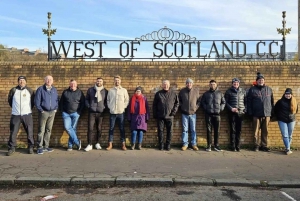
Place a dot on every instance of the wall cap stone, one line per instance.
(150, 63)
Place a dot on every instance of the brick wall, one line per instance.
(279, 75)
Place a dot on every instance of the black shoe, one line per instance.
(30, 150)
(161, 147)
(256, 149)
(168, 147)
(237, 149)
(11, 152)
(218, 149)
(233, 149)
(266, 149)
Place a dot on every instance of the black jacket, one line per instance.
(71, 101)
(260, 101)
(283, 110)
(213, 102)
(236, 99)
(92, 103)
(189, 100)
(165, 104)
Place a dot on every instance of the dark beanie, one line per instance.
(259, 76)
(288, 91)
(22, 77)
(235, 80)
(139, 88)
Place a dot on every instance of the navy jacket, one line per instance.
(46, 100)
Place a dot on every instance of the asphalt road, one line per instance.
(152, 194)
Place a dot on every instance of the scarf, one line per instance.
(98, 93)
(140, 99)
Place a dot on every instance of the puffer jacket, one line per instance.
(236, 98)
(213, 102)
(165, 104)
(260, 101)
(283, 112)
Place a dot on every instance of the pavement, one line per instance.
(150, 167)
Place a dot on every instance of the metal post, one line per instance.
(284, 31)
(49, 32)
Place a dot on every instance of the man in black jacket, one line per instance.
(95, 101)
(71, 105)
(260, 104)
(213, 103)
(165, 106)
(235, 98)
(189, 102)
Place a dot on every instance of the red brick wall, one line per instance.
(279, 75)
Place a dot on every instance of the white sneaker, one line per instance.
(88, 148)
(97, 146)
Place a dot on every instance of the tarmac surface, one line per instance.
(150, 167)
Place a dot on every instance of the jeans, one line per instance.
(46, 120)
(286, 130)
(261, 123)
(160, 131)
(15, 121)
(92, 119)
(112, 121)
(188, 122)
(212, 121)
(70, 124)
(235, 124)
(137, 133)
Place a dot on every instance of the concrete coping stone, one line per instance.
(285, 184)
(237, 182)
(94, 181)
(42, 180)
(201, 181)
(144, 181)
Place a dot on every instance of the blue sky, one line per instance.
(21, 22)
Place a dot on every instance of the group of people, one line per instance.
(257, 102)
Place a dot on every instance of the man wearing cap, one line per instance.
(95, 101)
(260, 104)
(21, 100)
(189, 102)
(213, 104)
(235, 98)
(117, 102)
(165, 106)
(46, 101)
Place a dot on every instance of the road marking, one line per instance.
(289, 197)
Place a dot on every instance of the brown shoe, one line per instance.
(183, 148)
(123, 146)
(195, 148)
(109, 147)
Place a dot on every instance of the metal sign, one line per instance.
(166, 44)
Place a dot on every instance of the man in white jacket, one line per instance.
(117, 101)
(21, 101)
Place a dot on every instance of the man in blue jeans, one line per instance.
(117, 101)
(189, 102)
(46, 101)
(71, 105)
